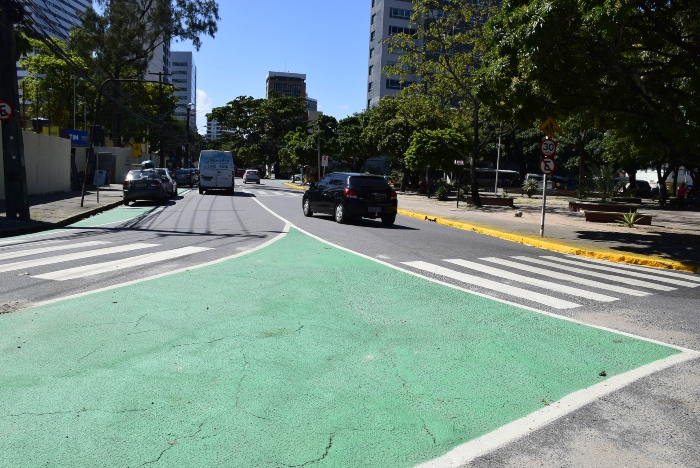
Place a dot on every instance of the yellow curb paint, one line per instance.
(561, 247)
(296, 187)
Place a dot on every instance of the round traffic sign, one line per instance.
(547, 165)
(548, 147)
(5, 110)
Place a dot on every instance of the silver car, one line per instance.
(251, 175)
(168, 180)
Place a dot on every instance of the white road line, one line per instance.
(261, 192)
(494, 285)
(657, 271)
(23, 240)
(533, 281)
(618, 279)
(564, 277)
(628, 273)
(27, 253)
(73, 256)
(117, 265)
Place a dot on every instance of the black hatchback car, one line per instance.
(347, 195)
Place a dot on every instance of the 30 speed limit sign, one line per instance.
(548, 147)
(547, 165)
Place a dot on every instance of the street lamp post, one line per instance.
(187, 140)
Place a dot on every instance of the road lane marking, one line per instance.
(99, 268)
(618, 279)
(564, 277)
(656, 271)
(533, 281)
(73, 256)
(26, 253)
(494, 285)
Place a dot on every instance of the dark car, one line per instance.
(347, 195)
(168, 179)
(184, 177)
(144, 185)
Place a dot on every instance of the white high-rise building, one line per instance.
(184, 76)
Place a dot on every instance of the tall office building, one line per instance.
(54, 18)
(184, 76)
(287, 84)
(387, 17)
(161, 62)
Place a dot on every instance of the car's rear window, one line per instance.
(184, 173)
(368, 182)
(141, 175)
(252, 172)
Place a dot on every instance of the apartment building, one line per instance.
(287, 84)
(387, 17)
(184, 76)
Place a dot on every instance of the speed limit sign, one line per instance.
(547, 165)
(548, 147)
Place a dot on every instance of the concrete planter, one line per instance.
(612, 217)
(577, 206)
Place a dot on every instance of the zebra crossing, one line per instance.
(259, 192)
(557, 282)
(45, 255)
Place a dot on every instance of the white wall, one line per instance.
(47, 163)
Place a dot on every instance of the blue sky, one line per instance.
(328, 41)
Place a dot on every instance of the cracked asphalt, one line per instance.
(394, 370)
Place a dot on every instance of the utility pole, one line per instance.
(16, 196)
(161, 118)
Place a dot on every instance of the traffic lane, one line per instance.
(220, 225)
(661, 315)
(652, 422)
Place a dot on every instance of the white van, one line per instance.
(216, 171)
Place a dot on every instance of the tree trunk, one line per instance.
(581, 165)
(116, 133)
(476, 200)
(404, 179)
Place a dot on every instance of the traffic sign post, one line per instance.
(458, 163)
(547, 166)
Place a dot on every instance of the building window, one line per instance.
(179, 64)
(397, 84)
(369, 103)
(399, 29)
(371, 52)
(371, 36)
(371, 70)
(369, 87)
(374, 17)
(400, 13)
(179, 80)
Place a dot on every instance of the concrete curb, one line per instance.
(559, 246)
(294, 186)
(59, 224)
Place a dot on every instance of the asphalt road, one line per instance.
(651, 420)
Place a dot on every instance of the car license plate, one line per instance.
(374, 209)
(140, 185)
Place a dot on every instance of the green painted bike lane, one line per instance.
(298, 353)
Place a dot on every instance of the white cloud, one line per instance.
(203, 103)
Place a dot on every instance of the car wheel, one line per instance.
(388, 220)
(191, 185)
(201, 191)
(306, 208)
(258, 181)
(126, 202)
(340, 216)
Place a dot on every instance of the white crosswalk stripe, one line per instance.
(565, 277)
(89, 270)
(533, 281)
(73, 256)
(656, 271)
(545, 273)
(635, 274)
(55, 248)
(270, 193)
(616, 278)
(494, 286)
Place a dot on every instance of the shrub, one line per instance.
(441, 193)
(530, 186)
(630, 219)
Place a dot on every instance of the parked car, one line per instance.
(184, 177)
(251, 175)
(168, 179)
(347, 195)
(195, 175)
(238, 172)
(144, 185)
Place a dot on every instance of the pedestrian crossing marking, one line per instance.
(618, 279)
(564, 277)
(90, 270)
(533, 281)
(494, 285)
(656, 271)
(27, 253)
(629, 273)
(73, 256)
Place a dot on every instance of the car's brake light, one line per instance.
(393, 195)
(125, 184)
(350, 193)
(155, 183)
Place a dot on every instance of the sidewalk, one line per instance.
(672, 241)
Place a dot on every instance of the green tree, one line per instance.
(354, 143)
(120, 40)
